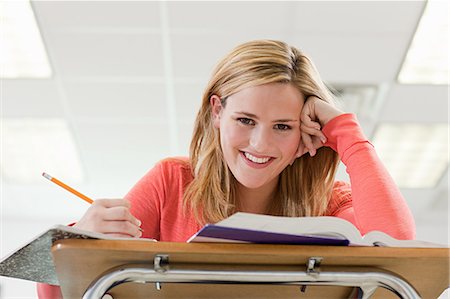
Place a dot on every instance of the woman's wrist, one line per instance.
(326, 112)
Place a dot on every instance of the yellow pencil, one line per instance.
(70, 189)
(61, 184)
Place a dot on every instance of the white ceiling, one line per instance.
(128, 78)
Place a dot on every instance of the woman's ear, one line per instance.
(216, 108)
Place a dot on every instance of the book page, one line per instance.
(326, 226)
(69, 232)
(378, 238)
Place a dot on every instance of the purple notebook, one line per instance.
(228, 234)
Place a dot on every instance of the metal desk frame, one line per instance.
(368, 282)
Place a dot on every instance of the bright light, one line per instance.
(427, 61)
(416, 155)
(22, 50)
(31, 146)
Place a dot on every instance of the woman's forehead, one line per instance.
(275, 97)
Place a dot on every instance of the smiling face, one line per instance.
(259, 131)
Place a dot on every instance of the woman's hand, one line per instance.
(315, 114)
(110, 216)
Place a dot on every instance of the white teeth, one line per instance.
(255, 159)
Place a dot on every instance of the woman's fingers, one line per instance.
(120, 236)
(312, 138)
(315, 114)
(307, 116)
(317, 110)
(317, 142)
(121, 213)
(117, 209)
(310, 130)
(110, 216)
(115, 202)
(125, 228)
(309, 143)
(313, 131)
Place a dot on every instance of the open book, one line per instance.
(326, 230)
(34, 261)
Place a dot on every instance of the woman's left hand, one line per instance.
(315, 114)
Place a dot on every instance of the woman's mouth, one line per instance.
(256, 159)
(256, 162)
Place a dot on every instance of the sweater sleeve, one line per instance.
(373, 202)
(146, 199)
(48, 291)
(156, 200)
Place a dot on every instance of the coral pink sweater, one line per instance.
(371, 202)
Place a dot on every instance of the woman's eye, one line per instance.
(246, 121)
(282, 127)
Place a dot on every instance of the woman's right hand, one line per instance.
(112, 217)
(315, 114)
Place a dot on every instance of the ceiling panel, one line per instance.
(348, 60)
(112, 151)
(357, 18)
(229, 16)
(416, 103)
(107, 54)
(197, 54)
(119, 100)
(66, 15)
(30, 98)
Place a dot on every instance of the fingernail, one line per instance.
(323, 139)
(139, 222)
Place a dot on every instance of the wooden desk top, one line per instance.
(78, 262)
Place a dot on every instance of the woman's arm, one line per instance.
(374, 202)
(119, 217)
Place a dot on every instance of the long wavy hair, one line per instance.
(304, 188)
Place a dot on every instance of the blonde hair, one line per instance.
(304, 188)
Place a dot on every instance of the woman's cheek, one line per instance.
(295, 145)
(235, 135)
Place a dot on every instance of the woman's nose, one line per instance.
(260, 139)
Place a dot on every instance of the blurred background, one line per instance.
(94, 93)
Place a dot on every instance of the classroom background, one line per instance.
(94, 93)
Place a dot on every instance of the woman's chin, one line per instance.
(251, 184)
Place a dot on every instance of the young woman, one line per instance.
(267, 140)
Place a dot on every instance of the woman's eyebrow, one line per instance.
(247, 114)
(285, 120)
(254, 116)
